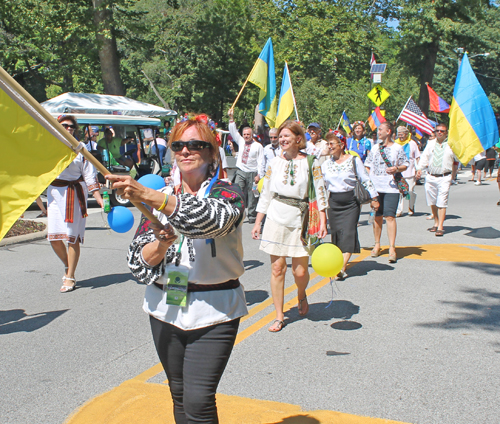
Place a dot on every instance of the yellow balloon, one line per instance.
(327, 260)
(260, 185)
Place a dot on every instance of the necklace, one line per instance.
(290, 171)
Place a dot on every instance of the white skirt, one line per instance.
(56, 214)
(279, 240)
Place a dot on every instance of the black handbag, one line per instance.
(360, 192)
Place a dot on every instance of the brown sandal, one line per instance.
(276, 326)
(433, 229)
(439, 233)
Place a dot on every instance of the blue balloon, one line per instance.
(152, 181)
(120, 219)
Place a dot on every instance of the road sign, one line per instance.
(378, 95)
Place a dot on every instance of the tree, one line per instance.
(424, 26)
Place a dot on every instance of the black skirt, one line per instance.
(343, 216)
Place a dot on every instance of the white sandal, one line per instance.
(64, 288)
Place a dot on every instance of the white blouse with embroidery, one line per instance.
(340, 178)
(278, 180)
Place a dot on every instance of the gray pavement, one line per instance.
(417, 341)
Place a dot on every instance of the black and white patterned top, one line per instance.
(199, 219)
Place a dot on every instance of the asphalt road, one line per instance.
(417, 341)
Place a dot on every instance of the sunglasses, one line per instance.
(177, 146)
(443, 131)
(66, 126)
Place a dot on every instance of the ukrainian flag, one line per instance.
(285, 107)
(346, 124)
(32, 149)
(264, 77)
(473, 127)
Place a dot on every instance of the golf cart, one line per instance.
(128, 119)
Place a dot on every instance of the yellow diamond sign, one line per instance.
(378, 95)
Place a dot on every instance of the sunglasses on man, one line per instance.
(195, 145)
(66, 126)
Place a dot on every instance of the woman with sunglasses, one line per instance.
(67, 208)
(191, 265)
(283, 201)
(339, 173)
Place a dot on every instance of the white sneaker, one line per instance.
(478, 183)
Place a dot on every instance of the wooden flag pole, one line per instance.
(239, 94)
(25, 97)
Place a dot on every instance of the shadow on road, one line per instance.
(256, 296)
(252, 264)
(481, 311)
(324, 311)
(105, 280)
(16, 320)
(298, 419)
(487, 233)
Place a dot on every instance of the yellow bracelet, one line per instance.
(163, 204)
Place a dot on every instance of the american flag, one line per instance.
(411, 114)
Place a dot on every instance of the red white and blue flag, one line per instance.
(411, 114)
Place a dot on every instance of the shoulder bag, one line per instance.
(360, 192)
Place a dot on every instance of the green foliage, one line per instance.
(198, 53)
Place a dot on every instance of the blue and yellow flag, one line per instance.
(473, 127)
(285, 107)
(32, 149)
(345, 123)
(264, 77)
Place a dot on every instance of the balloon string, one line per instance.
(282, 244)
(331, 301)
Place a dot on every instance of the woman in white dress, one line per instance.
(284, 193)
(67, 208)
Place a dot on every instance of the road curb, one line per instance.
(26, 237)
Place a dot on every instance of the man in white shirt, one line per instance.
(317, 146)
(248, 163)
(439, 160)
(413, 154)
(270, 151)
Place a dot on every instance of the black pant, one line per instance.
(194, 361)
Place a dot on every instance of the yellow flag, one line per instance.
(33, 150)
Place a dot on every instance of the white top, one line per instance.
(198, 218)
(320, 150)
(340, 178)
(480, 156)
(81, 167)
(161, 141)
(446, 158)
(255, 156)
(270, 152)
(384, 182)
(277, 180)
(414, 153)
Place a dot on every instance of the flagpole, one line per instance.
(341, 116)
(76, 146)
(404, 108)
(293, 95)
